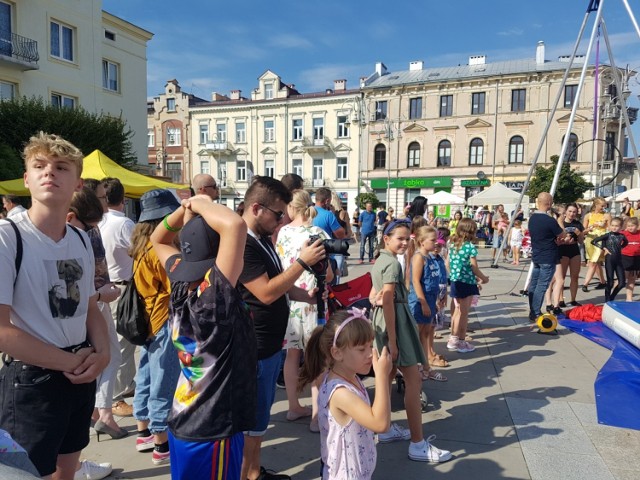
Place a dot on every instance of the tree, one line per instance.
(571, 185)
(11, 165)
(23, 117)
(363, 198)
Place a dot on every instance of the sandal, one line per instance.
(424, 374)
(438, 361)
(437, 376)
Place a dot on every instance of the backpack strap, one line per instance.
(75, 229)
(18, 261)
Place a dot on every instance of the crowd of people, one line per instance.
(225, 293)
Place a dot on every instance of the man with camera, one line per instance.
(326, 220)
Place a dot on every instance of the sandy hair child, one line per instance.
(423, 294)
(463, 270)
(416, 223)
(631, 254)
(394, 326)
(516, 241)
(336, 353)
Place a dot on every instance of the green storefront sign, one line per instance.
(424, 182)
(476, 182)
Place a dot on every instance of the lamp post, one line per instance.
(357, 117)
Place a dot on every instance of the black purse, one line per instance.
(133, 322)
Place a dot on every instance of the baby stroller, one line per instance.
(525, 250)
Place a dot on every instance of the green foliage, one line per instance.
(363, 198)
(11, 165)
(23, 117)
(571, 185)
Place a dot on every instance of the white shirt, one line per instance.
(116, 230)
(15, 211)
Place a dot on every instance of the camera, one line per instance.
(332, 246)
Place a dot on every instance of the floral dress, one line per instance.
(303, 317)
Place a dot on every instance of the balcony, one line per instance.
(18, 51)
(219, 148)
(317, 144)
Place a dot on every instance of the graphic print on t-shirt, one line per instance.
(64, 292)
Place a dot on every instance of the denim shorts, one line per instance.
(44, 412)
(416, 309)
(268, 371)
(463, 290)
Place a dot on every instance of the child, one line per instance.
(612, 243)
(342, 349)
(423, 294)
(394, 325)
(516, 241)
(405, 259)
(440, 257)
(503, 225)
(631, 254)
(463, 270)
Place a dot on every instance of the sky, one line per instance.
(214, 46)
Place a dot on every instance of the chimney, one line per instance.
(381, 69)
(416, 65)
(477, 60)
(236, 94)
(540, 52)
(339, 85)
(217, 97)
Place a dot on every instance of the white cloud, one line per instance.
(289, 40)
(513, 31)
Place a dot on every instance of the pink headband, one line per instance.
(355, 313)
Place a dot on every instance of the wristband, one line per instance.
(169, 227)
(304, 265)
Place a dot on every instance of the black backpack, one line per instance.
(132, 320)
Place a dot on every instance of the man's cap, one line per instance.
(198, 249)
(157, 204)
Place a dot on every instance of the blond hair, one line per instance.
(302, 205)
(424, 232)
(50, 145)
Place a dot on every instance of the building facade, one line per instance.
(75, 54)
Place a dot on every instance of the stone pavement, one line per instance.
(521, 406)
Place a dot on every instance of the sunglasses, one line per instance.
(279, 215)
(215, 187)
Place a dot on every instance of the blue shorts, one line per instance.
(416, 309)
(463, 290)
(268, 371)
(215, 460)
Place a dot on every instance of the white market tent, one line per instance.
(445, 198)
(497, 194)
(632, 194)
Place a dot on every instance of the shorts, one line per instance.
(44, 412)
(416, 309)
(214, 460)
(463, 290)
(268, 371)
(630, 263)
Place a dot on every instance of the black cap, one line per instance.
(198, 249)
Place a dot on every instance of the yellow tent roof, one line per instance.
(98, 165)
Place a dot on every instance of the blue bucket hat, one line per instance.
(157, 204)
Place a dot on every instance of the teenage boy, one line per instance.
(52, 333)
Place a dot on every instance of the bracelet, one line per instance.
(304, 265)
(169, 227)
(98, 297)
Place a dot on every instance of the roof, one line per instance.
(443, 74)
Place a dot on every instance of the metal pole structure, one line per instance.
(633, 19)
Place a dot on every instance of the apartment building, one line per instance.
(73, 54)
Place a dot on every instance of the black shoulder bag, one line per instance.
(133, 322)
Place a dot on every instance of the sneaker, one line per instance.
(465, 347)
(144, 444)
(585, 289)
(452, 343)
(280, 381)
(160, 458)
(562, 304)
(575, 304)
(601, 286)
(549, 308)
(557, 311)
(425, 451)
(92, 471)
(395, 433)
(271, 475)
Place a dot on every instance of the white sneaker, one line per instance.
(92, 471)
(425, 451)
(465, 347)
(395, 433)
(452, 343)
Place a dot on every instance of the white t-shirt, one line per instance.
(116, 230)
(51, 295)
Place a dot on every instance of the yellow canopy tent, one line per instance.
(98, 165)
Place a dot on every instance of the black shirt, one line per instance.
(571, 250)
(270, 321)
(544, 230)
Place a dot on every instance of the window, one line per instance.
(174, 171)
(171, 104)
(410, 194)
(109, 35)
(516, 149)
(7, 91)
(204, 167)
(610, 143)
(5, 29)
(297, 129)
(572, 148)
(110, 75)
(318, 128)
(174, 137)
(268, 91)
(380, 156)
(318, 172)
(415, 107)
(241, 132)
(241, 171)
(62, 41)
(62, 101)
(381, 110)
(269, 168)
(204, 133)
(221, 132)
(269, 131)
(476, 151)
(570, 95)
(342, 172)
(151, 138)
(297, 166)
(518, 99)
(477, 103)
(413, 155)
(446, 105)
(343, 130)
(444, 153)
